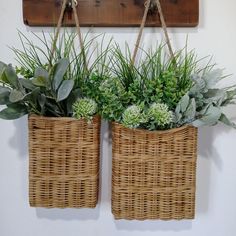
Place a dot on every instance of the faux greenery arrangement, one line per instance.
(161, 93)
(47, 93)
(58, 85)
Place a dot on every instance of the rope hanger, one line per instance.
(163, 25)
(73, 4)
(147, 4)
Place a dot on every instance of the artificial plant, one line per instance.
(48, 84)
(161, 92)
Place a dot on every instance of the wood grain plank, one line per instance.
(111, 13)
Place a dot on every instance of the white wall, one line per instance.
(216, 177)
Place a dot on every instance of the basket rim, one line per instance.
(174, 130)
(59, 118)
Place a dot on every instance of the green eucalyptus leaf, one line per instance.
(211, 116)
(53, 109)
(231, 94)
(224, 119)
(191, 110)
(16, 96)
(230, 97)
(40, 82)
(59, 71)
(199, 123)
(216, 96)
(11, 77)
(27, 84)
(42, 102)
(184, 102)
(13, 111)
(32, 95)
(41, 72)
(72, 98)
(65, 89)
(4, 95)
(213, 77)
(4, 89)
(200, 84)
(3, 78)
(43, 75)
(178, 109)
(204, 109)
(3, 67)
(212, 93)
(76, 94)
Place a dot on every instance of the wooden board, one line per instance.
(109, 13)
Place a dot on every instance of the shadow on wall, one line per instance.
(68, 214)
(207, 156)
(106, 163)
(174, 226)
(19, 141)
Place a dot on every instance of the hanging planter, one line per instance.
(155, 107)
(63, 151)
(154, 173)
(63, 162)
(58, 93)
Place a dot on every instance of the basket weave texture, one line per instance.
(153, 173)
(63, 162)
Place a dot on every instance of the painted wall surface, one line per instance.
(216, 177)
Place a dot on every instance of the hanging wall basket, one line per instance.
(63, 162)
(153, 173)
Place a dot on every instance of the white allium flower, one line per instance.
(85, 108)
(132, 116)
(160, 114)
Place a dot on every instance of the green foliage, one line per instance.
(99, 72)
(114, 99)
(85, 108)
(203, 103)
(49, 84)
(154, 80)
(32, 56)
(37, 95)
(13, 111)
(157, 93)
(165, 94)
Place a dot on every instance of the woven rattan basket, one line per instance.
(153, 173)
(63, 162)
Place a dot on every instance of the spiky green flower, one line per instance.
(85, 108)
(160, 114)
(132, 117)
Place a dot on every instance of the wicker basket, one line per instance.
(63, 162)
(153, 173)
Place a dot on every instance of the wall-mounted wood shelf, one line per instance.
(110, 13)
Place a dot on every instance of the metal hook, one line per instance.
(152, 7)
(69, 4)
